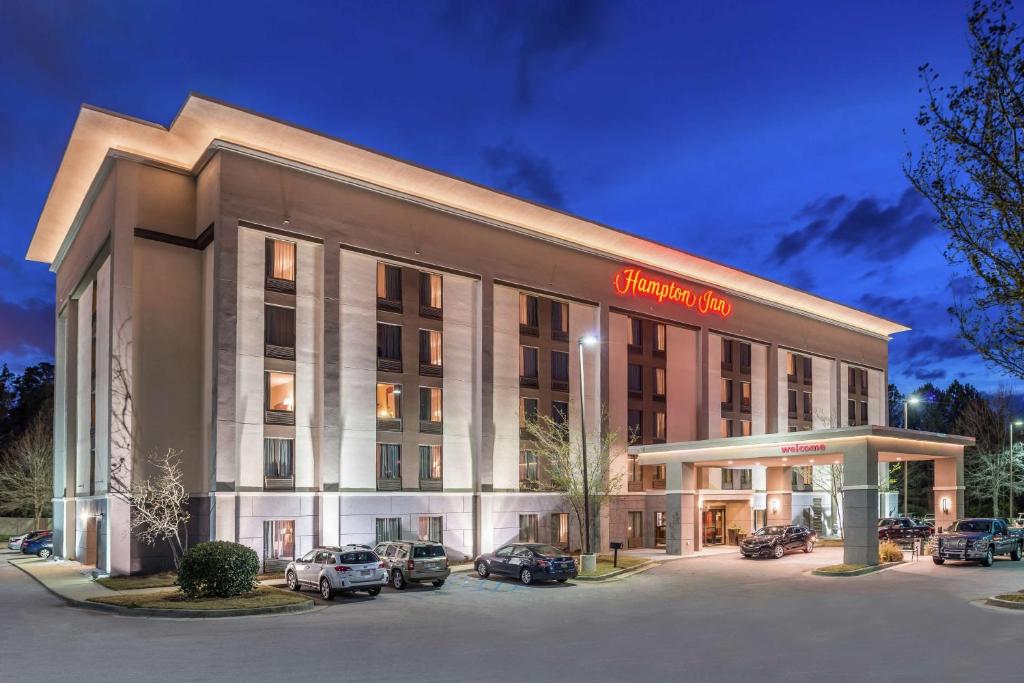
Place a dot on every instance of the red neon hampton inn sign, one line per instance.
(632, 282)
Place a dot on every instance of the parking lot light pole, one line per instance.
(1013, 423)
(587, 340)
(906, 466)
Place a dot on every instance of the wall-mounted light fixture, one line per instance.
(775, 507)
(945, 506)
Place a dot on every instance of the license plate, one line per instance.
(365, 572)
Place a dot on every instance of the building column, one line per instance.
(681, 508)
(779, 496)
(948, 490)
(860, 504)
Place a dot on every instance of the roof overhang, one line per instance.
(202, 121)
(814, 447)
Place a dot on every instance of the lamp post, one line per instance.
(1013, 423)
(906, 466)
(586, 340)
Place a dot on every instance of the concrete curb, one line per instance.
(995, 601)
(871, 569)
(309, 606)
(623, 572)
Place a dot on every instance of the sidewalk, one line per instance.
(69, 581)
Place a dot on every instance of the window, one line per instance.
(660, 338)
(430, 291)
(560, 412)
(559, 320)
(745, 397)
(431, 529)
(724, 429)
(389, 346)
(660, 426)
(792, 402)
(389, 401)
(528, 470)
(635, 525)
(528, 528)
(791, 367)
(389, 462)
(864, 412)
(528, 311)
(726, 394)
(745, 427)
(279, 539)
(807, 369)
(280, 265)
(803, 478)
(636, 472)
(727, 353)
(560, 370)
(851, 377)
(635, 335)
(736, 479)
(864, 382)
(560, 529)
(280, 392)
(807, 405)
(659, 382)
(635, 420)
(851, 412)
(528, 364)
(279, 331)
(659, 473)
(388, 529)
(745, 356)
(430, 463)
(527, 411)
(430, 348)
(635, 377)
(278, 458)
(430, 404)
(389, 284)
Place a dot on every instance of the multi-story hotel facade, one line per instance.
(342, 347)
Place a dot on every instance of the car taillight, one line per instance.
(382, 566)
(410, 565)
(542, 564)
(342, 568)
(446, 562)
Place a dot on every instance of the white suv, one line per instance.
(337, 570)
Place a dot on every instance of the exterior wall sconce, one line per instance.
(945, 506)
(775, 507)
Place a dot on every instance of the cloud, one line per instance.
(883, 232)
(929, 375)
(901, 309)
(517, 170)
(27, 327)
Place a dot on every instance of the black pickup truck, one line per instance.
(901, 529)
(977, 540)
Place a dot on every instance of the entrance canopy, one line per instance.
(858, 449)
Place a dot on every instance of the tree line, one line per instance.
(26, 442)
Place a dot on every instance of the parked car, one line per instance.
(776, 541)
(334, 570)
(414, 562)
(14, 542)
(902, 528)
(41, 546)
(529, 562)
(979, 539)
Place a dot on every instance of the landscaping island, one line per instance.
(262, 598)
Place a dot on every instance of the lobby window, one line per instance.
(278, 460)
(430, 464)
(660, 426)
(803, 478)
(559, 320)
(736, 479)
(851, 413)
(527, 411)
(635, 334)
(279, 539)
(279, 332)
(635, 422)
(528, 470)
(727, 394)
(280, 265)
(528, 366)
(431, 529)
(389, 287)
(635, 379)
(745, 428)
(389, 406)
(727, 354)
(560, 529)
(389, 466)
(430, 353)
(560, 413)
(389, 347)
(659, 383)
(280, 398)
(560, 370)
(807, 405)
(529, 525)
(529, 314)
(634, 529)
(660, 339)
(430, 410)
(388, 529)
(792, 402)
(745, 397)
(744, 357)
(430, 295)
(863, 412)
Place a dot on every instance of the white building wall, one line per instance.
(823, 398)
(308, 362)
(878, 409)
(460, 388)
(83, 410)
(781, 394)
(358, 338)
(506, 388)
(249, 379)
(360, 511)
(101, 481)
(844, 394)
(715, 386)
(758, 389)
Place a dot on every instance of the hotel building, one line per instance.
(343, 347)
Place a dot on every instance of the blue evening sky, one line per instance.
(766, 135)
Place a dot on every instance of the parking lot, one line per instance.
(710, 619)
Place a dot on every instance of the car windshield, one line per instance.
(972, 525)
(428, 551)
(547, 551)
(770, 531)
(359, 557)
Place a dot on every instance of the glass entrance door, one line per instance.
(714, 526)
(659, 529)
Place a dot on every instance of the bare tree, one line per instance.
(159, 503)
(829, 478)
(987, 463)
(560, 455)
(26, 476)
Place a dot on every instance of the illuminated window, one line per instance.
(560, 529)
(635, 335)
(660, 426)
(389, 282)
(791, 366)
(745, 396)
(389, 401)
(723, 429)
(726, 394)
(659, 381)
(430, 463)
(636, 472)
(635, 525)
(660, 338)
(528, 310)
(279, 539)
(430, 404)
(745, 427)
(559, 319)
(528, 470)
(430, 347)
(430, 529)
(281, 391)
(281, 260)
(430, 290)
(529, 525)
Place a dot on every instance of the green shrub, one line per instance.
(889, 552)
(218, 569)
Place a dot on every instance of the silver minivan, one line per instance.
(333, 570)
(414, 562)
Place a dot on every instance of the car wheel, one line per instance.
(808, 547)
(326, 592)
(526, 576)
(939, 560)
(778, 551)
(561, 580)
(375, 591)
(397, 580)
(987, 560)
(438, 583)
(45, 553)
(1015, 554)
(293, 583)
(482, 570)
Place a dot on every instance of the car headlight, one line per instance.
(980, 544)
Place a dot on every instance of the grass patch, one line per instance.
(840, 568)
(127, 583)
(271, 576)
(829, 543)
(605, 566)
(4, 538)
(261, 597)
(1011, 597)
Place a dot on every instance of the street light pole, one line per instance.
(906, 465)
(585, 341)
(1013, 423)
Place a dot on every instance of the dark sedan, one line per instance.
(41, 546)
(528, 562)
(776, 541)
